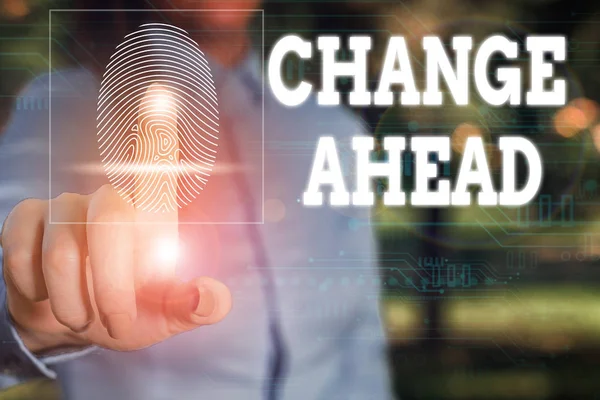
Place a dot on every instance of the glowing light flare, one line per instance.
(595, 131)
(15, 8)
(576, 116)
(569, 121)
(167, 251)
(160, 100)
(158, 115)
(462, 133)
(590, 109)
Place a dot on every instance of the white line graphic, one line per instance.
(158, 122)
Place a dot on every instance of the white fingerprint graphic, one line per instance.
(158, 122)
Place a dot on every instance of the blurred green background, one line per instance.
(478, 302)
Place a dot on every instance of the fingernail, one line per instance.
(117, 325)
(194, 299)
(206, 303)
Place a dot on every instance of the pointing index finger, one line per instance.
(156, 183)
